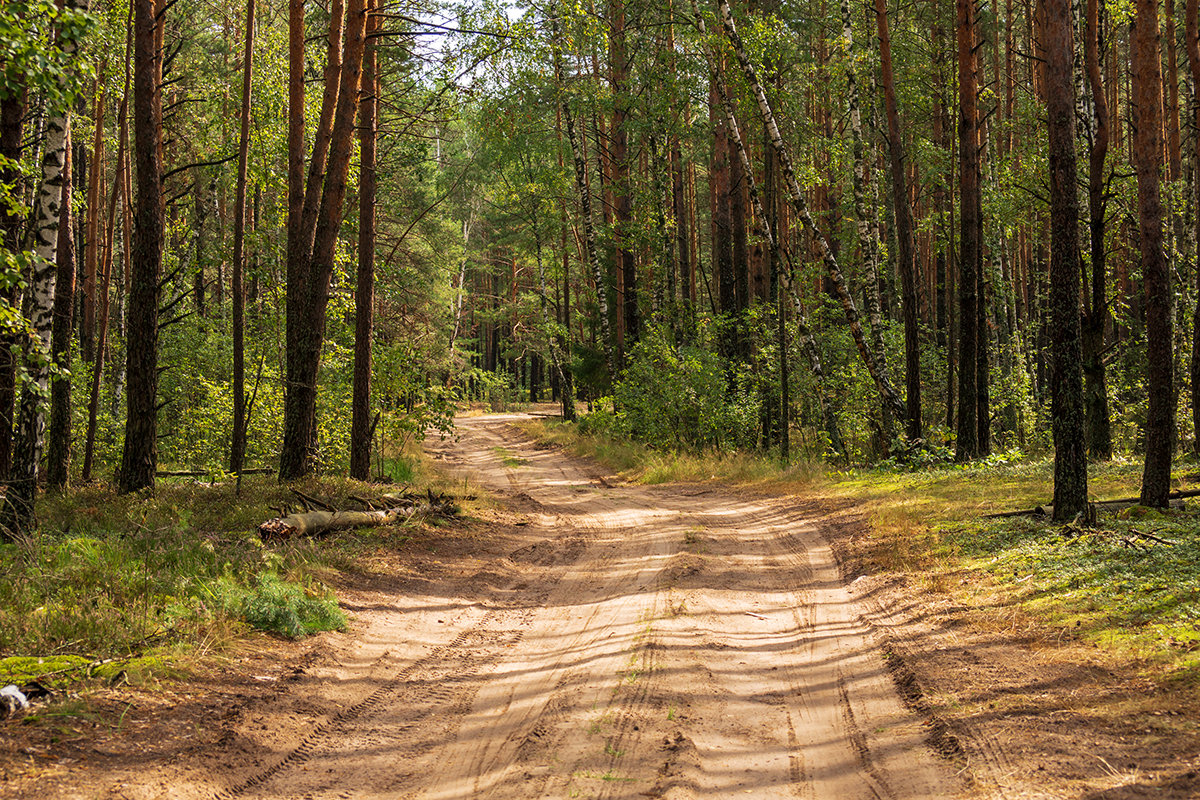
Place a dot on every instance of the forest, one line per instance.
(910, 268)
(290, 236)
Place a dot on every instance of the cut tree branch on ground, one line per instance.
(1176, 501)
(384, 510)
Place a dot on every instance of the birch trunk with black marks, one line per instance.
(17, 514)
(807, 342)
(878, 371)
(58, 432)
(585, 205)
(865, 222)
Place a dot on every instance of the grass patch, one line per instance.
(142, 582)
(508, 458)
(1113, 586)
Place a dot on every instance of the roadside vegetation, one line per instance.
(142, 586)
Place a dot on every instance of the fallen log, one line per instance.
(204, 473)
(1175, 500)
(319, 523)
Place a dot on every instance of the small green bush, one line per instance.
(278, 606)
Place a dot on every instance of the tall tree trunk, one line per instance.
(1095, 390)
(297, 259)
(299, 454)
(967, 444)
(585, 206)
(140, 455)
(58, 434)
(12, 118)
(91, 254)
(237, 445)
(1192, 39)
(720, 212)
(875, 368)
(117, 193)
(904, 229)
(866, 223)
(622, 186)
(774, 246)
(17, 515)
(1147, 159)
(364, 286)
(1070, 456)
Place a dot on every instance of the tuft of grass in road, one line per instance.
(509, 458)
(1113, 586)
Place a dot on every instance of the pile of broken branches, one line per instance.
(319, 517)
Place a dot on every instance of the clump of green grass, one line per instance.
(283, 607)
(509, 458)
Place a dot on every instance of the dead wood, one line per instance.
(312, 502)
(319, 523)
(1175, 500)
(383, 510)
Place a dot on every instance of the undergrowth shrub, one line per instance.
(682, 397)
(278, 606)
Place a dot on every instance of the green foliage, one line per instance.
(678, 397)
(278, 606)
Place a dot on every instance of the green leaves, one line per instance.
(37, 42)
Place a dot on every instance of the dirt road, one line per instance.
(635, 642)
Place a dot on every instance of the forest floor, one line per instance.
(583, 637)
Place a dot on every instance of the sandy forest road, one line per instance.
(640, 642)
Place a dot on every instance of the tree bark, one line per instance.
(622, 186)
(17, 515)
(12, 118)
(967, 444)
(237, 445)
(1147, 158)
(91, 254)
(1192, 40)
(364, 285)
(1070, 456)
(904, 230)
(585, 205)
(808, 344)
(299, 454)
(140, 455)
(58, 434)
(1095, 316)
